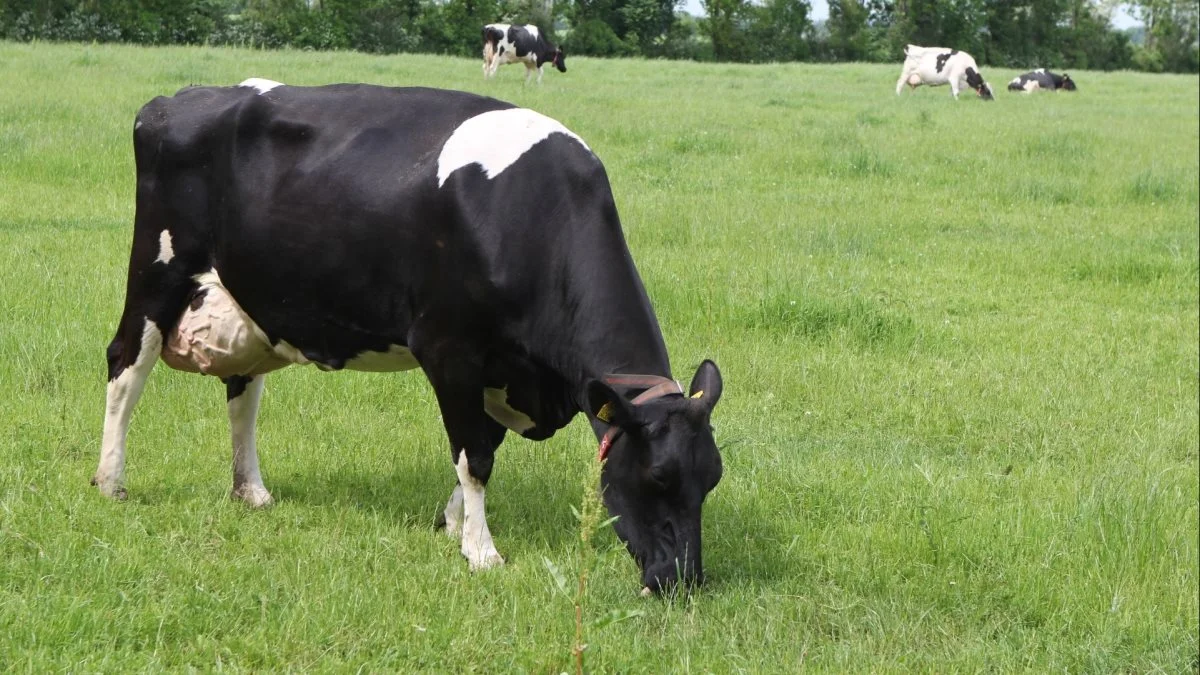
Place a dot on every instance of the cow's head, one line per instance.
(559, 60)
(660, 465)
(1068, 83)
(976, 82)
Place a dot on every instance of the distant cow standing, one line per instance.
(936, 66)
(503, 43)
(1040, 79)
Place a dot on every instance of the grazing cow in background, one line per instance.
(503, 44)
(936, 66)
(371, 228)
(1041, 79)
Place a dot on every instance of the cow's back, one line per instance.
(324, 214)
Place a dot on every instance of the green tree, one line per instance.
(847, 26)
(1171, 35)
(778, 30)
(724, 27)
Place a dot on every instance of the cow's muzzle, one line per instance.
(665, 576)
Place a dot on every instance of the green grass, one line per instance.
(959, 343)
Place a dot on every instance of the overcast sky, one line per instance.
(820, 12)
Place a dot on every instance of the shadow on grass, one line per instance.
(533, 510)
(744, 546)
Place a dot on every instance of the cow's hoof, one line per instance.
(255, 496)
(485, 560)
(111, 489)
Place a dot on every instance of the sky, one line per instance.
(820, 11)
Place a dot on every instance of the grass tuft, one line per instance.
(1151, 186)
(856, 319)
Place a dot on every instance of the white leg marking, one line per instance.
(123, 395)
(243, 415)
(454, 513)
(477, 546)
(165, 252)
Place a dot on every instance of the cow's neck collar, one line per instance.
(656, 387)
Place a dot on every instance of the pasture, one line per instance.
(959, 343)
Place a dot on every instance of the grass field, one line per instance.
(959, 343)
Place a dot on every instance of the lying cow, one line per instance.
(503, 44)
(936, 66)
(380, 229)
(1041, 78)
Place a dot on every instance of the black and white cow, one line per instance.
(371, 228)
(503, 44)
(1041, 79)
(936, 66)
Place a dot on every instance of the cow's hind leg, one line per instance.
(161, 265)
(244, 394)
(131, 356)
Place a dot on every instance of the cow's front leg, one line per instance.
(457, 381)
(477, 545)
(244, 394)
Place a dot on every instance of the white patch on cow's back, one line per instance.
(165, 252)
(495, 402)
(261, 84)
(533, 30)
(495, 140)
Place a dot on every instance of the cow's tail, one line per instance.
(489, 47)
(489, 51)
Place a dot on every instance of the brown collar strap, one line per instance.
(657, 388)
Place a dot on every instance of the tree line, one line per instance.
(1010, 33)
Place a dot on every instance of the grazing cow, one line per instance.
(936, 66)
(381, 229)
(1041, 79)
(503, 43)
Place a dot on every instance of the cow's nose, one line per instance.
(664, 578)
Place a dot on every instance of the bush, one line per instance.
(596, 38)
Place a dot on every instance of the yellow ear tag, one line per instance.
(698, 394)
(604, 414)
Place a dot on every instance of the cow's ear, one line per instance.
(606, 405)
(706, 384)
